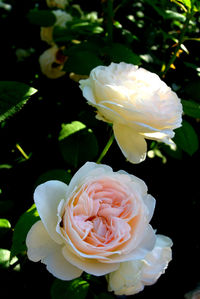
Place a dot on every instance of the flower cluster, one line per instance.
(100, 222)
(51, 66)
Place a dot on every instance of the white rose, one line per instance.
(62, 17)
(48, 58)
(132, 276)
(138, 103)
(93, 224)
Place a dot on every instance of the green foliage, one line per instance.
(82, 62)
(79, 28)
(76, 289)
(4, 226)
(191, 108)
(21, 229)
(77, 143)
(6, 261)
(121, 53)
(13, 96)
(44, 18)
(84, 57)
(54, 174)
(186, 138)
(192, 90)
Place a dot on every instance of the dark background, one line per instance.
(175, 185)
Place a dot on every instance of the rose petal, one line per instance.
(42, 247)
(47, 198)
(87, 91)
(150, 202)
(140, 251)
(163, 136)
(89, 168)
(90, 266)
(133, 181)
(132, 144)
(157, 260)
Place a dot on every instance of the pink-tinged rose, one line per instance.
(138, 104)
(51, 62)
(93, 224)
(132, 276)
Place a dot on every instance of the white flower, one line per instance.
(47, 60)
(93, 224)
(62, 17)
(138, 103)
(132, 276)
(57, 3)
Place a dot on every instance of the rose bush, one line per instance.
(138, 103)
(93, 224)
(132, 276)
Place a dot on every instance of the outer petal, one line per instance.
(163, 136)
(42, 247)
(150, 202)
(157, 260)
(134, 182)
(85, 86)
(90, 266)
(47, 198)
(126, 280)
(132, 144)
(87, 171)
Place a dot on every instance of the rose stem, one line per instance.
(22, 151)
(109, 20)
(181, 39)
(106, 148)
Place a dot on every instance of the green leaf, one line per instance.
(4, 258)
(4, 226)
(187, 3)
(6, 261)
(55, 174)
(78, 144)
(62, 35)
(13, 96)
(21, 229)
(120, 53)
(5, 166)
(44, 18)
(186, 138)
(69, 129)
(76, 289)
(82, 62)
(174, 153)
(192, 90)
(170, 14)
(191, 108)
